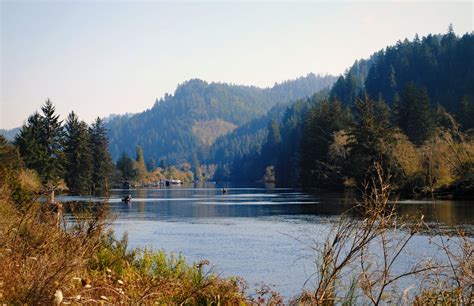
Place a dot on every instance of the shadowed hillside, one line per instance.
(190, 120)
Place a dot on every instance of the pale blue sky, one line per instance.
(102, 57)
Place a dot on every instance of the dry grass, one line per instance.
(81, 262)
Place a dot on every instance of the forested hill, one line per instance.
(191, 119)
(441, 64)
(403, 90)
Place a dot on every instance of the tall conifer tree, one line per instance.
(140, 164)
(102, 166)
(78, 165)
(415, 115)
(40, 143)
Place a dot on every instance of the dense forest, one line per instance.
(441, 64)
(410, 106)
(187, 123)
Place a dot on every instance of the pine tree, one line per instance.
(274, 135)
(102, 166)
(371, 139)
(197, 168)
(415, 116)
(40, 143)
(322, 122)
(126, 166)
(78, 159)
(466, 113)
(151, 165)
(140, 164)
(28, 142)
(52, 140)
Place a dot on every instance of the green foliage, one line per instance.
(78, 157)
(40, 142)
(440, 63)
(197, 169)
(349, 86)
(287, 170)
(414, 114)
(102, 168)
(246, 139)
(466, 112)
(324, 120)
(20, 183)
(127, 167)
(166, 130)
(73, 152)
(371, 139)
(280, 148)
(112, 253)
(140, 164)
(151, 165)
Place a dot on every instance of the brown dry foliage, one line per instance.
(84, 263)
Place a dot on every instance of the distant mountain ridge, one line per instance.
(187, 123)
(9, 134)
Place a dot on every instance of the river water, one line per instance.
(264, 235)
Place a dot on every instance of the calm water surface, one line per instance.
(263, 235)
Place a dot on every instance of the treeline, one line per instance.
(332, 141)
(72, 153)
(188, 121)
(136, 172)
(441, 64)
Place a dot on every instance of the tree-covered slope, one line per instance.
(191, 119)
(441, 64)
(412, 77)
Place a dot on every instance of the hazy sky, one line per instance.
(102, 57)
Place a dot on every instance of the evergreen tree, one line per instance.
(321, 124)
(151, 165)
(28, 142)
(102, 168)
(197, 168)
(127, 167)
(52, 140)
(371, 139)
(415, 116)
(163, 164)
(287, 166)
(40, 143)
(140, 164)
(274, 135)
(78, 159)
(466, 113)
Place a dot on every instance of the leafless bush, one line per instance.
(358, 257)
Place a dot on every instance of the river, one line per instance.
(264, 235)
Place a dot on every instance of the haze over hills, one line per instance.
(9, 134)
(188, 122)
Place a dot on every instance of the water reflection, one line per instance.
(205, 202)
(255, 233)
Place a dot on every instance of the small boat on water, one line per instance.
(127, 199)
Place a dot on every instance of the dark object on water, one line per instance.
(127, 199)
(224, 190)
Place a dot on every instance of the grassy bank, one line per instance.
(45, 263)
